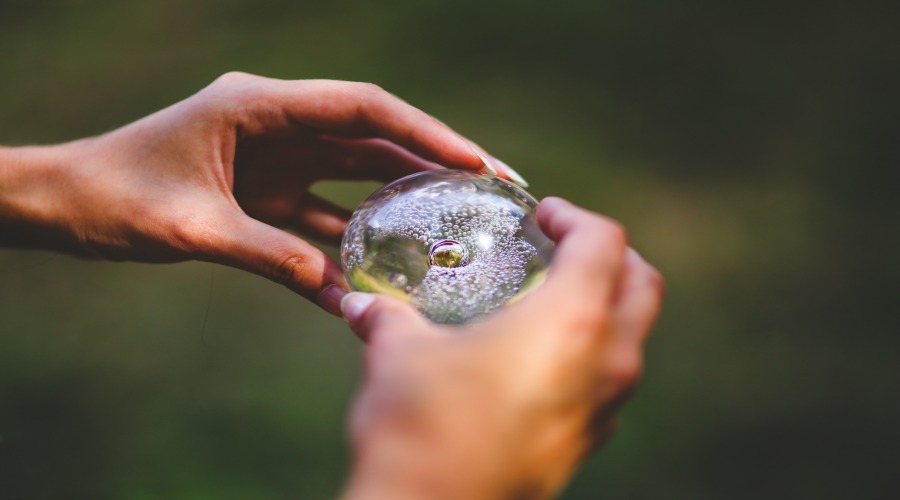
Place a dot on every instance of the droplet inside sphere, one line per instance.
(397, 280)
(457, 245)
(448, 253)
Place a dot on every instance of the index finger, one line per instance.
(348, 109)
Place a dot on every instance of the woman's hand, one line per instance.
(508, 407)
(214, 176)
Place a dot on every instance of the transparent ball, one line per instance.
(457, 245)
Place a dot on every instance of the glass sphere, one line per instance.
(455, 244)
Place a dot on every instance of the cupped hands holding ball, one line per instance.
(506, 407)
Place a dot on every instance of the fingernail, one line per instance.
(330, 299)
(513, 175)
(487, 165)
(354, 305)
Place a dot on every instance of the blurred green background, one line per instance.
(750, 148)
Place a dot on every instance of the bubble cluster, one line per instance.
(457, 245)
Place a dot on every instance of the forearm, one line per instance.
(32, 181)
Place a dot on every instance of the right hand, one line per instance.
(507, 407)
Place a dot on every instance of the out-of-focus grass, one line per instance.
(749, 149)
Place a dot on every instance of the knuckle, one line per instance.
(288, 270)
(656, 280)
(237, 87)
(613, 231)
(371, 97)
(595, 315)
(599, 232)
(624, 372)
(232, 78)
(230, 93)
(370, 90)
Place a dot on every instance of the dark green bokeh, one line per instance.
(750, 149)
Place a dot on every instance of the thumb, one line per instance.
(253, 246)
(383, 320)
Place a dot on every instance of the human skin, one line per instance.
(506, 408)
(220, 175)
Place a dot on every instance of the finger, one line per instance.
(254, 246)
(381, 320)
(368, 159)
(319, 218)
(340, 158)
(635, 308)
(343, 108)
(510, 173)
(310, 215)
(638, 300)
(587, 261)
(498, 167)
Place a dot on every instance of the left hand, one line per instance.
(216, 176)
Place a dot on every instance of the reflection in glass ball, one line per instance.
(457, 245)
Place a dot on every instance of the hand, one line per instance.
(508, 407)
(213, 176)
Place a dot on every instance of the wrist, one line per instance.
(386, 467)
(401, 463)
(33, 180)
